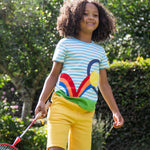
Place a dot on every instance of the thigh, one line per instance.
(58, 125)
(57, 135)
(80, 135)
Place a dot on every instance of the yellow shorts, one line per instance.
(66, 120)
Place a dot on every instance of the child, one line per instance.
(79, 68)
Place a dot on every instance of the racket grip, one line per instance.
(39, 115)
(18, 139)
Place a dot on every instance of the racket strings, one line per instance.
(5, 147)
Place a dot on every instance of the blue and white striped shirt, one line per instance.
(81, 64)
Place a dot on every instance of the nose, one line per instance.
(90, 16)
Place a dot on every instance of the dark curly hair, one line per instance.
(68, 22)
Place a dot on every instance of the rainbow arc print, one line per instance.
(91, 81)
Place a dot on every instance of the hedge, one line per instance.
(130, 82)
(12, 127)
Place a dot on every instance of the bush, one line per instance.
(99, 135)
(130, 82)
(9, 95)
(10, 128)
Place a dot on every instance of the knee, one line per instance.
(55, 148)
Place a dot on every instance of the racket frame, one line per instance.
(12, 146)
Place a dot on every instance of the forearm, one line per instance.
(109, 98)
(50, 81)
(48, 87)
(46, 91)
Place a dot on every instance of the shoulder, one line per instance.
(68, 42)
(65, 40)
(98, 47)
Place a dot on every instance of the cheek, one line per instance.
(84, 19)
(97, 22)
(81, 23)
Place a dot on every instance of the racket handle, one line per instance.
(18, 139)
(39, 115)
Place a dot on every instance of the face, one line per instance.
(90, 20)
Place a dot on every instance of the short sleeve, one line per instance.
(60, 50)
(104, 61)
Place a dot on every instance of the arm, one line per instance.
(109, 98)
(48, 87)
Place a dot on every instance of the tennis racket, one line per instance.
(4, 146)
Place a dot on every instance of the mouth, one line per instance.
(90, 23)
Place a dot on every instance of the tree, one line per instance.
(133, 33)
(28, 38)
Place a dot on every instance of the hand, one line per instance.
(119, 121)
(41, 108)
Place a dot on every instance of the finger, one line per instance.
(37, 110)
(118, 124)
(43, 113)
(40, 115)
(115, 120)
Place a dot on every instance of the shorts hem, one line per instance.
(55, 145)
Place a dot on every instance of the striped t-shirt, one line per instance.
(78, 80)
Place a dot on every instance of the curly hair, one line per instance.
(68, 22)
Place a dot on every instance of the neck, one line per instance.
(84, 37)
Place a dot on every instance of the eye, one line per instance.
(85, 14)
(95, 15)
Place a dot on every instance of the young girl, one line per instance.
(79, 68)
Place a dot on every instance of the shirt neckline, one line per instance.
(82, 41)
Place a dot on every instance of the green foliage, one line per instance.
(3, 79)
(9, 95)
(27, 29)
(133, 33)
(41, 137)
(10, 128)
(130, 82)
(99, 135)
(8, 125)
(28, 38)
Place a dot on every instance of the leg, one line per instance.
(58, 125)
(80, 133)
(80, 137)
(55, 148)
